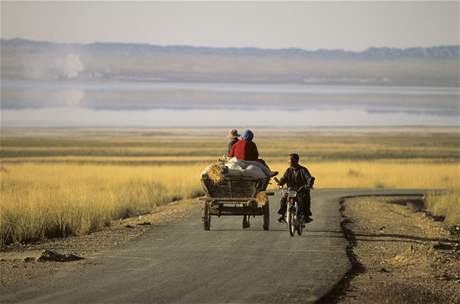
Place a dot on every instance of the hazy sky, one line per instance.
(309, 25)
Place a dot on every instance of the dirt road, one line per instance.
(182, 263)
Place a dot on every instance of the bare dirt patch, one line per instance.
(400, 255)
(21, 261)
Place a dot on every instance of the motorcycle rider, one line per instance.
(296, 176)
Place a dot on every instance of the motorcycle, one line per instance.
(294, 217)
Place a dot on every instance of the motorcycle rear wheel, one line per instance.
(290, 220)
(299, 230)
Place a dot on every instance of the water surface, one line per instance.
(65, 103)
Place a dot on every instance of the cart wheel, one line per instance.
(246, 223)
(266, 209)
(206, 216)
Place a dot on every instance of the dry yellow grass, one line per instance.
(106, 159)
(58, 182)
(396, 174)
(381, 174)
(57, 200)
(446, 204)
(215, 173)
(43, 200)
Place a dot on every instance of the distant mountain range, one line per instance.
(40, 60)
(435, 52)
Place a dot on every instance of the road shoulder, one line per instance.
(20, 262)
(399, 255)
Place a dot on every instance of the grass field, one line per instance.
(58, 200)
(446, 204)
(59, 182)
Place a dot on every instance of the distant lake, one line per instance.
(147, 104)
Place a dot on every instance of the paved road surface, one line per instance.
(182, 263)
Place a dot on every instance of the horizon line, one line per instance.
(233, 47)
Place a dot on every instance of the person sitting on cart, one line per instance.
(296, 177)
(246, 149)
(233, 138)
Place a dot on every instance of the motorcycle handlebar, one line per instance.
(286, 188)
(308, 187)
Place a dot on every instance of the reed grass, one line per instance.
(445, 204)
(39, 201)
(66, 182)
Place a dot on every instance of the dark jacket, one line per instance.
(231, 143)
(244, 150)
(296, 177)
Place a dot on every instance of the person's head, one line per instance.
(294, 159)
(247, 135)
(233, 133)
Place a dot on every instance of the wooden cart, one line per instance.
(235, 196)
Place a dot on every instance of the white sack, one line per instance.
(254, 172)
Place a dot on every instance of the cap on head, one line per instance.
(233, 133)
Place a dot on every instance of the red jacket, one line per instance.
(244, 150)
